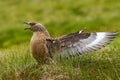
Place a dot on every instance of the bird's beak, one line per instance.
(26, 28)
(27, 24)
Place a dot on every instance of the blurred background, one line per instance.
(58, 16)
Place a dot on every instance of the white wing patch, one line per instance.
(99, 37)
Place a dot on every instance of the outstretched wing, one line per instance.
(79, 43)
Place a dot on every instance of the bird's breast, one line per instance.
(38, 47)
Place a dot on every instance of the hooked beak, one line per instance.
(27, 24)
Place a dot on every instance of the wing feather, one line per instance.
(77, 44)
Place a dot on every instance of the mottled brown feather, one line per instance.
(72, 38)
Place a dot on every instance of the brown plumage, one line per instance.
(43, 46)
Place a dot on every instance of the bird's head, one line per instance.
(35, 27)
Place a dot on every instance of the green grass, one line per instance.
(17, 63)
(59, 17)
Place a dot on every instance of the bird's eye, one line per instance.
(32, 23)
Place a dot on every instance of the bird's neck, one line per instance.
(39, 33)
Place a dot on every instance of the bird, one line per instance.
(43, 46)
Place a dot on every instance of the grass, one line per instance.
(59, 17)
(18, 64)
